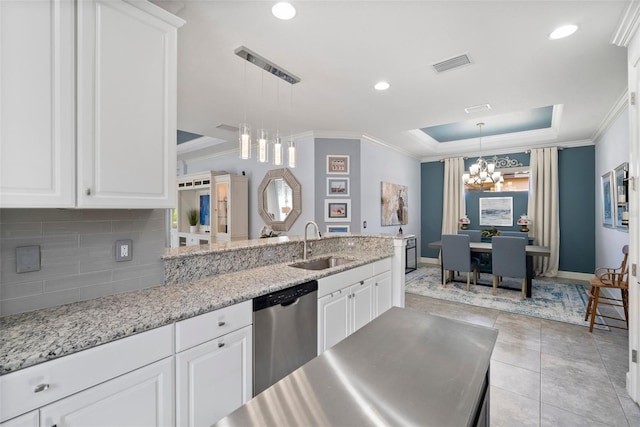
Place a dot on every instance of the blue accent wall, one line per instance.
(432, 175)
(577, 177)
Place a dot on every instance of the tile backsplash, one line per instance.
(78, 254)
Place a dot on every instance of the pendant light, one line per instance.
(481, 172)
(244, 130)
(277, 142)
(262, 135)
(291, 149)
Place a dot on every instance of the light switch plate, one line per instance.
(27, 259)
(124, 250)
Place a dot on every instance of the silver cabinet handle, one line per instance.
(220, 344)
(222, 323)
(41, 387)
(361, 282)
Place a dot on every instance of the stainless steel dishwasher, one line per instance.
(285, 333)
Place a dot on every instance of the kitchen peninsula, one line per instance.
(52, 355)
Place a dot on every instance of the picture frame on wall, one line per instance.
(338, 164)
(338, 228)
(394, 204)
(337, 210)
(337, 186)
(496, 211)
(621, 201)
(608, 204)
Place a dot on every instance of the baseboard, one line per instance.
(434, 261)
(575, 275)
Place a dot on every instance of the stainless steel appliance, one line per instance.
(285, 333)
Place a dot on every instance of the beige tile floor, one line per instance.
(547, 373)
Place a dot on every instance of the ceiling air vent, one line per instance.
(477, 108)
(451, 63)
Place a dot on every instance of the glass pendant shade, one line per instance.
(244, 141)
(277, 151)
(263, 148)
(291, 154)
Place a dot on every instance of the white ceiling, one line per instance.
(340, 49)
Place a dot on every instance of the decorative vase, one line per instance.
(464, 226)
(193, 228)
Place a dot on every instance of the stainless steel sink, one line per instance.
(322, 263)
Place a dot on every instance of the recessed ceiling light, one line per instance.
(382, 86)
(283, 10)
(562, 32)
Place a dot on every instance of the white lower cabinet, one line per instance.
(31, 419)
(213, 379)
(382, 293)
(143, 397)
(343, 312)
(345, 306)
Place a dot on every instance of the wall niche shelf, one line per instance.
(221, 200)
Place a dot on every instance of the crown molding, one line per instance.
(628, 25)
(616, 110)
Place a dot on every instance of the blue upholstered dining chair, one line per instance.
(474, 235)
(509, 259)
(514, 234)
(456, 256)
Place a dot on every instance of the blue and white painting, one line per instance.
(204, 210)
(496, 211)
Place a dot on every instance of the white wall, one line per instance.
(256, 172)
(612, 149)
(382, 164)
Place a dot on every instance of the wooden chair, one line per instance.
(610, 278)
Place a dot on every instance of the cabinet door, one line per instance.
(126, 112)
(362, 305)
(333, 319)
(143, 397)
(37, 94)
(30, 419)
(382, 293)
(223, 195)
(214, 378)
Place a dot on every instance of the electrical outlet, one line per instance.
(268, 255)
(27, 259)
(124, 250)
(364, 224)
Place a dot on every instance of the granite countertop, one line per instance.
(42, 335)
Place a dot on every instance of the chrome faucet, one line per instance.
(306, 226)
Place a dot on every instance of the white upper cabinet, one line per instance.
(37, 104)
(127, 53)
(111, 99)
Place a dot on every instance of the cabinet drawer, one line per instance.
(75, 372)
(381, 266)
(338, 281)
(208, 326)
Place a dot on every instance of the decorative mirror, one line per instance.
(280, 199)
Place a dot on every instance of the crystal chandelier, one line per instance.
(481, 172)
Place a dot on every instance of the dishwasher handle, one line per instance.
(285, 297)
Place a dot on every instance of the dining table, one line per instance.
(486, 247)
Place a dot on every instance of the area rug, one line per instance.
(564, 302)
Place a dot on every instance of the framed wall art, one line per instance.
(337, 210)
(621, 200)
(337, 228)
(395, 209)
(496, 211)
(608, 206)
(337, 186)
(338, 164)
